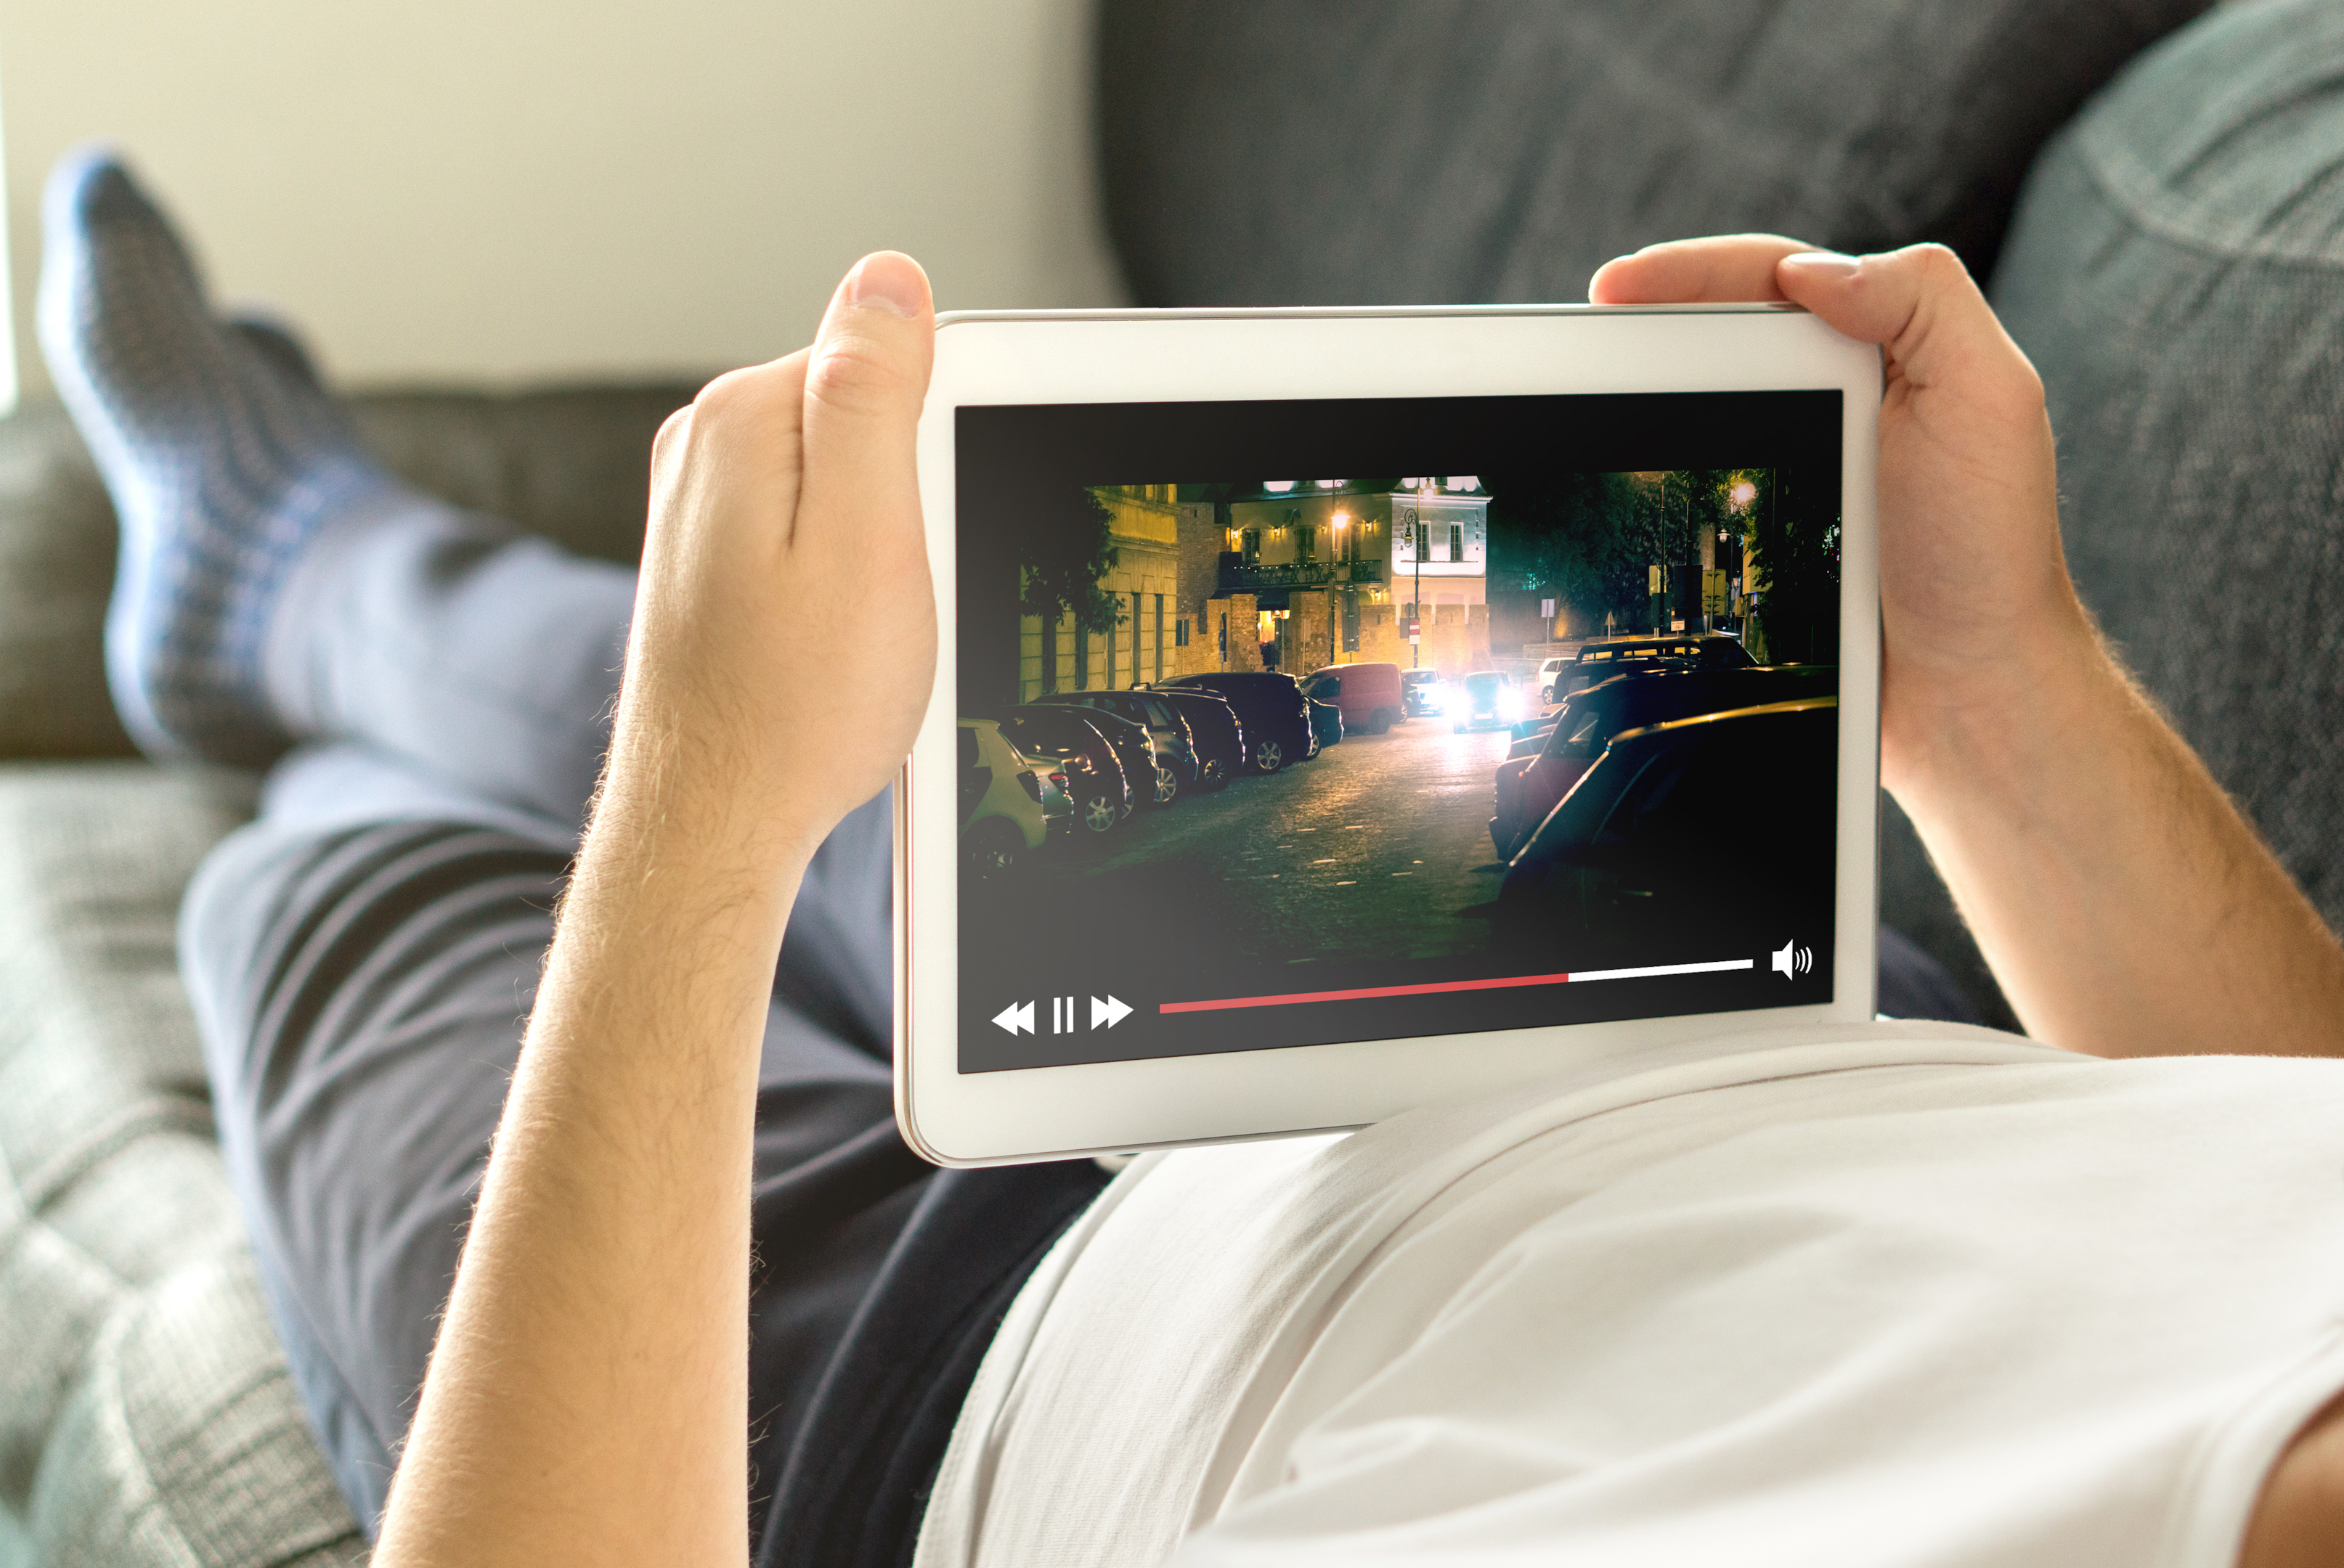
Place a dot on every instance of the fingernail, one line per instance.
(1828, 264)
(889, 280)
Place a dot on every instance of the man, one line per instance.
(1867, 1295)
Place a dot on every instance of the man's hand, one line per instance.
(2124, 905)
(1973, 591)
(785, 636)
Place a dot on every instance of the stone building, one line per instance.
(1144, 526)
(1195, 636)
(1327, 573)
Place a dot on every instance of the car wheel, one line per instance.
(1167, 784)
(1099, 813)
(1546, 695)
(994, 852)
(1214, 775)
(1268, 757)
(1381, 723)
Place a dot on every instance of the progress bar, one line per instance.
(1646, 971)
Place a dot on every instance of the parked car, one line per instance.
(1370, 694)
(1174, 762)
(1214, 725)
(1008, 803)
(1601, 657)
(1325, 724)
(1422, 693)
(1095, 772)
(1153, 783)
(1549, 673)
(1531, 786)
(1491, 701)
(1270, 706)
(1688, 841)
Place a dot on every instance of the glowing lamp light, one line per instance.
(1742, 495)
(1342, 520)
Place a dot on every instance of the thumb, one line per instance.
(866, 376)
(1920, 304)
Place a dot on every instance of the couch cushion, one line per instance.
(185, 1442)
(1400, 151)
(101, 1073)
(145, 1413)
(573, 465)
(2177, 274)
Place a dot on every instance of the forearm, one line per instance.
(587, 1398)
(2124, 905)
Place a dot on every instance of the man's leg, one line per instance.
(362, 986)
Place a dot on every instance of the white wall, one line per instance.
(524, 190)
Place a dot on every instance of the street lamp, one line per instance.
(1422, 542)
(1341, 520)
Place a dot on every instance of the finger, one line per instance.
(865, 380)
(1720, 268)
(1922, 305)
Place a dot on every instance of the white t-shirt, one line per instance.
(1897, 1294)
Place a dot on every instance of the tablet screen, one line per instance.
(1290, 722)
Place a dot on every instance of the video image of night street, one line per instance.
(1286, 760)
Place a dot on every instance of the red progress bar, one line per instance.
(1365, 992)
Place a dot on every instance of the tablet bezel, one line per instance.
(1009, 1117)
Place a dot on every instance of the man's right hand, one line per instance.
(1973, 593)
(2126, 906)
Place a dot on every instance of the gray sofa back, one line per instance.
(1368, 151)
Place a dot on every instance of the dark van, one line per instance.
(1271, 707)
(1368, 695)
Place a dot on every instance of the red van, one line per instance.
(1368, 695)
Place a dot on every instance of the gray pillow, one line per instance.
(1353, 152)
(2176, 273)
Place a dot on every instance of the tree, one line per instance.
(1794, 530)
(1065, 554)
(1585, 538)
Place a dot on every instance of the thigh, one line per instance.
(362, 986)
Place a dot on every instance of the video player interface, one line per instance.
(1474, 714)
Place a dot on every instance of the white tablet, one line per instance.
(1339, 710)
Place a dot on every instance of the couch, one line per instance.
(2151, 192)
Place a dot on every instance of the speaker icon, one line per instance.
(1792, 960)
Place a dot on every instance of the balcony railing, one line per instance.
(1237, 576)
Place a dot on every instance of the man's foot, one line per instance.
(224, 456)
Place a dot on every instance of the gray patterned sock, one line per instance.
(224, 458)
